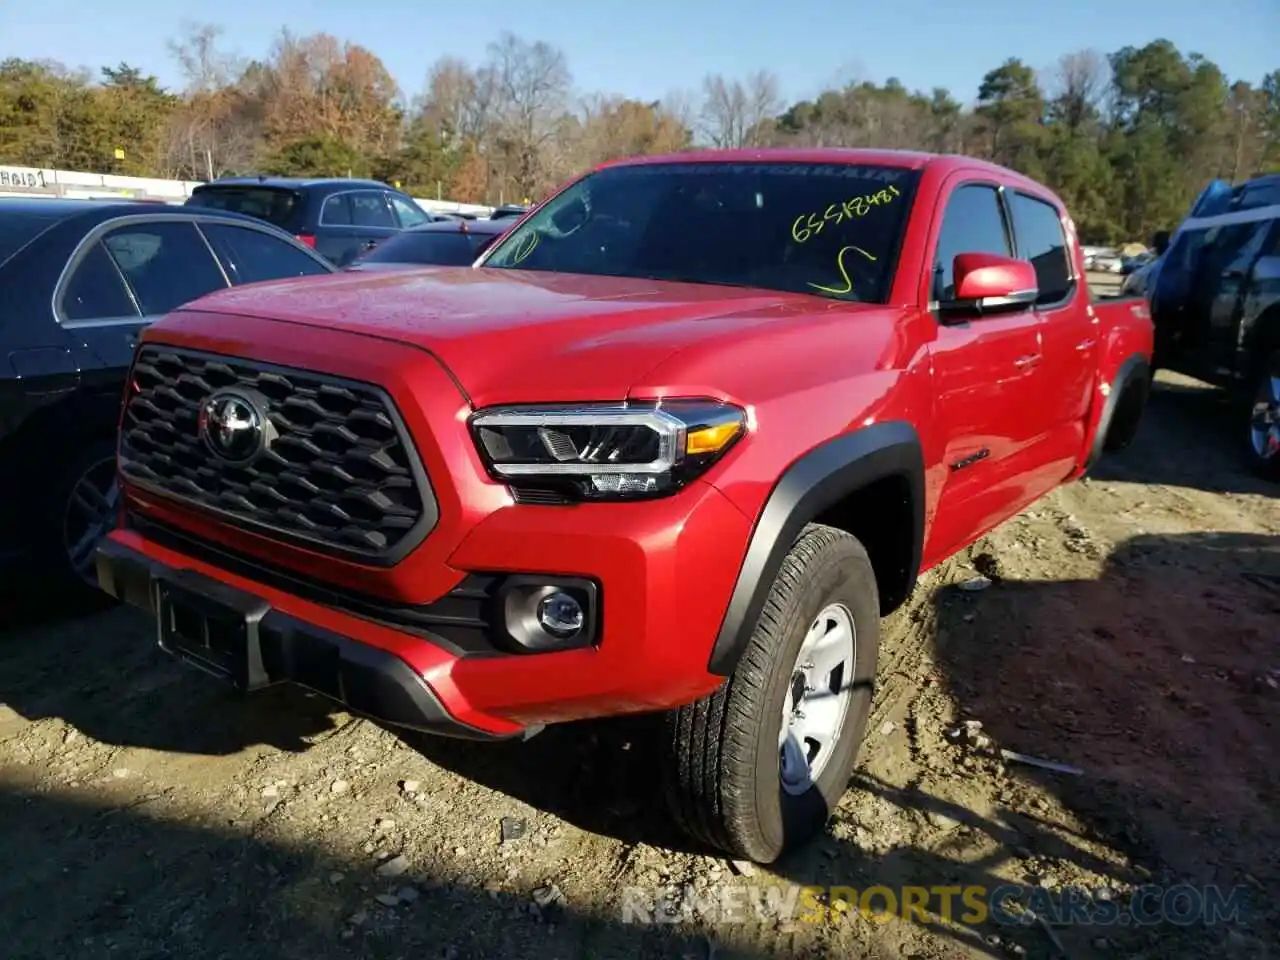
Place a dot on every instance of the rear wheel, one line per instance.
(756, 768)
(1263, 449)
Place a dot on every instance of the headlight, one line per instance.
(606, 451)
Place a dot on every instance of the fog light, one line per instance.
(560, 615)
(542, 614)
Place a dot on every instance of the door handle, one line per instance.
(1085, 345)
(1030, 360)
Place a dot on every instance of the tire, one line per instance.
(725, 770)
(1262, 447)
(1128, 414)
(58, 519)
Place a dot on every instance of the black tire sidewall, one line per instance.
(839, 573)
(49, 543)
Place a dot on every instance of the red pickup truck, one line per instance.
(676, 443)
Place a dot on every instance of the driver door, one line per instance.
(987, 380)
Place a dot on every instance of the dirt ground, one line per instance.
(1129, 630)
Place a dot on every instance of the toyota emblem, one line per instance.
(234, 426)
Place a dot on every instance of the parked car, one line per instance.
(676, 442)
(453, 243)
(508, 211)
(1216, 304)
(1129, 264)
(1107, 262)
(1089, 253)
(339, 218)
(1141, 280)
(79, 280)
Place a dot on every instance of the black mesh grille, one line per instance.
(339, 475)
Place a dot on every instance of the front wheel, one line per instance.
(1263, 449)
(756, 768)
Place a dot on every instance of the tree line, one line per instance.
(1127, 138)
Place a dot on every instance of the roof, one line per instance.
(96, 211)
(890, 158)
(296, 183)
(56, 208)
(905, 159)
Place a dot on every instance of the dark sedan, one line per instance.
(452, 243)
(79, 280)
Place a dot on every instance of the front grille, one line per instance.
(340, 474)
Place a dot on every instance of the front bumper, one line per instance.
(665, 570)
(249, 643)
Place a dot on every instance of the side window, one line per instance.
(96, 291)
(336, 211)
(369, 209)
(1240, 248)
(1038, 229)
(409, 213)
(972, 223)
(166, 264)
(1271, 247)
(250, 256)
(1220, 245)
(1260, 195)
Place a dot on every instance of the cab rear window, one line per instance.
(272, 204)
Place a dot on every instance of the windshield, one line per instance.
(445, 248)
(831, 230)
(264, 203)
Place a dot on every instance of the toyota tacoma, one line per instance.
(675, 443)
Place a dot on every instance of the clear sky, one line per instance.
(645, 48)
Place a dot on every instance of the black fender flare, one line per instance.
(817, 480)
(1134, 373)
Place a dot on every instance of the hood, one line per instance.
(516, 336)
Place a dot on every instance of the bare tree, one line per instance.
(532, 83)
(214, 131)
(681, 106)
(451, 99)
(737, 113)
(1076, 87)
(205, 67)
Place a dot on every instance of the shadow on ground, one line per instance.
(103, 674)
(1157, 679)
(599, 776)
(1192, 436)
(91, 879)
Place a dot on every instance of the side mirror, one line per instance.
(988, 283)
